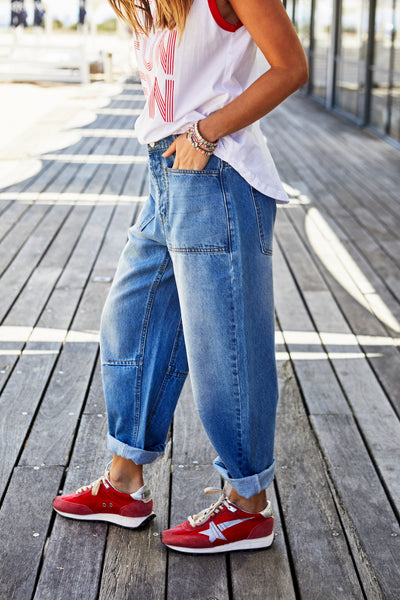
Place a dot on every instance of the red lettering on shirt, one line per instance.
(160, 52)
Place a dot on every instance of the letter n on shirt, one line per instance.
(158, 56)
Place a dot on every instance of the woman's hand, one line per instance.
(186, 156)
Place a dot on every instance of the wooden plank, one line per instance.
(364, 164)
(41, 180)
(375, 415)
(265, 573)
(18, 404)
(34, 368)
(61, 295)
(321, 559)
(74, 369)
(371, 526)
(74, 555)
(191, 444)
(29, 256)
(333, 172)
(320, 386)
(43, 278)
(369, 276)
(25, 519)
(383, 358)
(51, 436)
(69, 232)
(11, 213)
(336, 167)
(194, 576)
(375, 262)
(135, 563)
(32, 299)
(373, 335)
(95, 403)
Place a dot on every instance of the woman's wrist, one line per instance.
(206, 132)
(199, 142)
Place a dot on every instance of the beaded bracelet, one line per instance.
(196, 139)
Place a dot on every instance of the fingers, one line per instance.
(170, 150)
(186, 156)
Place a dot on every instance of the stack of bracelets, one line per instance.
(197, 140)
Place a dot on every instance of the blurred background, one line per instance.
(53, 51)
(54, 40)
(352, 46)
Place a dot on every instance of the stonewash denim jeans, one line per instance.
(193, 292)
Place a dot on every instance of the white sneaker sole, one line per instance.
(130, 522)
(263, 542)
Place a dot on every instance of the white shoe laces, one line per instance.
(206, 513)
(95, 485)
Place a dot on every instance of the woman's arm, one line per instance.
(271, 29)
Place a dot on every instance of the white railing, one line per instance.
(36, 56)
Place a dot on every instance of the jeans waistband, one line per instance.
(161, 144)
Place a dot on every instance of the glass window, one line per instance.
(289, 8)
(302, 22)
(381, 66)
(394, 128)
(322, 42)
(386, 69)
(351, 57)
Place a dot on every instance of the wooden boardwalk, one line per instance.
(72, 189)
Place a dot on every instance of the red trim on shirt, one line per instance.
(219, 19)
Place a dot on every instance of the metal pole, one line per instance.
(333, 51)
(369, 63)
(311, 50)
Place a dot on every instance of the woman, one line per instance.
(193, 288)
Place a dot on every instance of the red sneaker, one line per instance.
(100, 501)
(221, 528)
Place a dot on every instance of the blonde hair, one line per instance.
(138, 15)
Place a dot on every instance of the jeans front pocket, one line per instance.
(265, 208)
(197, 215)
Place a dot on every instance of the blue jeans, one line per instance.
(193, 292)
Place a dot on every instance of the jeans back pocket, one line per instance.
(265, 208)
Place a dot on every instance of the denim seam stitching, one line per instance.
(257, 209)
(200, 172)
(228, 223)
(168, 373)
(143, 339)
(122, 363)
(237, 392)
(211, 250)
(146, 222)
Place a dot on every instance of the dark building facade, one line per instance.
(353, 49)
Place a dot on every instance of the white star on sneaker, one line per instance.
(214, 532)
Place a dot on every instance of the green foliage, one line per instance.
(109, 25)
(57, 24)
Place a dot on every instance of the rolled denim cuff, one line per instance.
(139, 456)
(250, 485)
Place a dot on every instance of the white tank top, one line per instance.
(186, 80)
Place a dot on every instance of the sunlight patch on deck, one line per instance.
(102, 159)
(72, 198)
(338, 261)
(18, 334)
